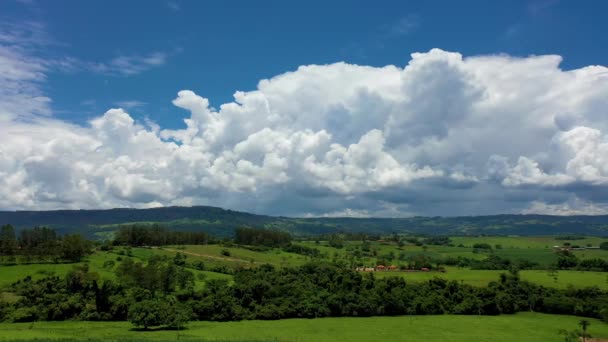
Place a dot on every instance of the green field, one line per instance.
(577, 279)
(518, 242)
(211, 255)
(11, 274)
(521, 327)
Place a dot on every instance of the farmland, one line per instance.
(265, 274)
(514, 248)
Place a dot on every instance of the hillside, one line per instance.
(221, 222)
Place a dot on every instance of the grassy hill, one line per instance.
(221, 222)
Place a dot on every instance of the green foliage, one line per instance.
(74, 247)
(261, 237)
(165, 312)
(437, 240)
(42, 243)
(482, 246)
(302, 250)
(157, 275)
(156, 235)
(8, 241)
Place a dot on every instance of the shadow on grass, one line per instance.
(158, 329)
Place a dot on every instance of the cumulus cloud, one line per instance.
(573, 206)
(443, 134)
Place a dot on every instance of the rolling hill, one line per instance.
(221, 222)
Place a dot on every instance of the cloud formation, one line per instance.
(127, 65)
(443, 135)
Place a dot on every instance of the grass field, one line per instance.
(518, 242)
(577, 279)
(211, 255)
(275, 257)
(11, 274)
(523, 327)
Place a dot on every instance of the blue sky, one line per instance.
(217, 47)
(341, 108)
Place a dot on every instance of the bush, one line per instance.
(159, 312)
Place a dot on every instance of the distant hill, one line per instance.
(221, 222)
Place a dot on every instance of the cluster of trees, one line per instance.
(570, 237)
(146, 294)
(157, 235)
(302, 250)
(347, 236)
(261, 237)
(492, 262)
(42, 243)
(161, 293)
(567, 260)
(437, 241)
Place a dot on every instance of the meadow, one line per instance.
(520, 242)
(562, 279)
(97, 263)
(522, 327)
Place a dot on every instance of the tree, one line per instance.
(569, 336)
(166, 312)
(8, 241)
(147, 313)
(584, 325)
(74, 247)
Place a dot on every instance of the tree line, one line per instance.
(157, 235)
(41, 243)
(160, 292)
(261, 237)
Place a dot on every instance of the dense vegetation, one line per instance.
(41, 243)
(261, 237)
(156, 235)
(160, 292)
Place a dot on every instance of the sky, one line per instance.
(341, 108)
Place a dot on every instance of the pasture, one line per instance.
(535, 249)
(97, 263)
(522, 327)
(521, 242)
(562, 279)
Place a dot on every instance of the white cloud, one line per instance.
(574, 206)
(129, 64)
(444, 134)
(130, 104)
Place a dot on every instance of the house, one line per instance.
(392, 268)
(380, 268)
(365, 269)
(424, 269)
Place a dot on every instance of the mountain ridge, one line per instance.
(222, 222)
